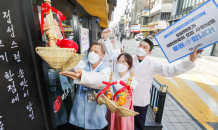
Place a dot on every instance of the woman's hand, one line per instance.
(127, 92)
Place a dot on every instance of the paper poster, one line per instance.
(84, 39)
(113, 40)
(198, 29)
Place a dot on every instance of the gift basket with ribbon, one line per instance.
(59, 54)
(104, 97)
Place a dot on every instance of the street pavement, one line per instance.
(192, 99)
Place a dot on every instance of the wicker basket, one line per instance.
(112, 105)
(72, 62)
(54, 56)
(124, 112)
(100, 100)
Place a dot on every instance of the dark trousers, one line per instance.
(79, 128)
(140, 119)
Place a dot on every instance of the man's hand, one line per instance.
(106, 33)
(73, 75)
(194, 55)
(46, 28)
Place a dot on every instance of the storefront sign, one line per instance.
(151, 27)
(84, 39)
(198, 29)
(134, 28)
(145, 12)
(147, 4)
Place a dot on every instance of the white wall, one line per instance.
(166, 7)
(162, 24)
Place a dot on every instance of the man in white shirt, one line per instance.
(144, 69)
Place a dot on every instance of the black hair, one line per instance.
(149, 42)
(128, 59)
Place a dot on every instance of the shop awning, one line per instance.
(134, 31)
(96, 8)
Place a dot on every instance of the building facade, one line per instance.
(136, 15)
(127, 22)
(160, 10)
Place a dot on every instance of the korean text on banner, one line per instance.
(198, 29)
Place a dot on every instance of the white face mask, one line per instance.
(121, 68)
(93, 57)
(140, 52)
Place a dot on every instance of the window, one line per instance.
(183, 5)
(164, 16)
(145, 21)
(186, 4)
(197, 1)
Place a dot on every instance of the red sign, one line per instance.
(150, 27)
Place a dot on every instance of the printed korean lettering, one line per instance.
(24, 83)
(181, 45)
(203, 34)
(14, 44)
(195, 38)
(12, 88)
(4, 57)
(31, 115)
(203, 26)
(30, 109)
(15, 99)
(17, 57)
(189, 34)
(1, 124)
(9, 76)
(11, 29)
(7, 15)
(26, 94)
(175, 48)
(1, 45)
(21, 73)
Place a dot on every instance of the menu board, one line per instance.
(20, 105)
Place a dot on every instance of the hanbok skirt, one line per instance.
(115, 122)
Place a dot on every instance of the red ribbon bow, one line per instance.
(45, 7)
(108, 85)
(122, 89)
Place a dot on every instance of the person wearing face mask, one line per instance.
(86, 113)
(144, 69)
(124, 64)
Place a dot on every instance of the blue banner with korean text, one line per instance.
(198, 29)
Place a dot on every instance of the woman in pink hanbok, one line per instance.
(115, 122)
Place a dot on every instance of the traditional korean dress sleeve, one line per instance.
(94, 79)
(174, 69)
(112, 53)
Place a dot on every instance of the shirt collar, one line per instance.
(96, 67)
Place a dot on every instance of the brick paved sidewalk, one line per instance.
(175, 118)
